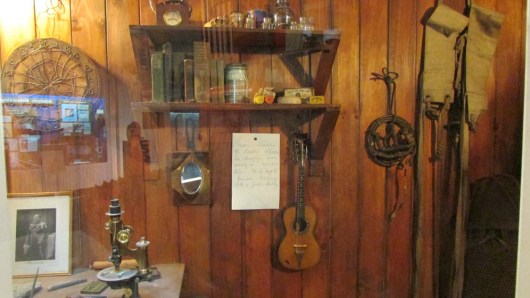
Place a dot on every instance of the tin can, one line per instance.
(236, 83)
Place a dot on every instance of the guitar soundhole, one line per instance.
(300, 225)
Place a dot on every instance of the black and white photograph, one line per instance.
(36, 234)
(41, 233)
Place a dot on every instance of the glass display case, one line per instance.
(217, 148)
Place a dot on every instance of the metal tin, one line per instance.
(236, 83)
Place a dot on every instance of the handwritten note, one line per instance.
(255, 171)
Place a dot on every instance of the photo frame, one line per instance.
(41, 233)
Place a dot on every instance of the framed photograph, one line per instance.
(41, 233)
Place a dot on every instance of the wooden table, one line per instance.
(168, 285)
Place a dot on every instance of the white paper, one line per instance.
(255, 171)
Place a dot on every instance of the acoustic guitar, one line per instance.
(299, 250)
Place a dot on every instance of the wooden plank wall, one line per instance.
(365, 212)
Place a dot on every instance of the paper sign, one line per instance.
(255, 171)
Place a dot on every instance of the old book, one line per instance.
(189, 94)
(178, 76)
(213, 82)
(201, 71)
(167, 49)
(220, 81)
(157, 76)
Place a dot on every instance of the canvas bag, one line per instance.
(482, 35)
(437, 82)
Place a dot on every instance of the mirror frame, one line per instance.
(179, 160)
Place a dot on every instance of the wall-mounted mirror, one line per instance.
(190, 178)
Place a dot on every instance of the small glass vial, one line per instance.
(236, 83)
(237, 19)
(250, 22)
(282, 15)
(306, 23)
(267, 23)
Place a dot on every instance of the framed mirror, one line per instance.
(190, 178)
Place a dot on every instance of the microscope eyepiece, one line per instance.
(114, 208)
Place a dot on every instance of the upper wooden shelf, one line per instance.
(228, 39)
(289, 44)
(198, 107)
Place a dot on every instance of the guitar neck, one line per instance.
(300, 205)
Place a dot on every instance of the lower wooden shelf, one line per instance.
(319, 143)
(197, 107)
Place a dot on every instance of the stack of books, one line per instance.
(187, 77)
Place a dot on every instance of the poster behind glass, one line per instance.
(36, 124)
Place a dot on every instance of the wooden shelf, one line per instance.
(329, 112)
(198, 107)
(289, 44)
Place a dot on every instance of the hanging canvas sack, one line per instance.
(482, 36)
(441, 32)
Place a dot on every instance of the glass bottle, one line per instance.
(282, 14)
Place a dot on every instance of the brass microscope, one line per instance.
(120, 235)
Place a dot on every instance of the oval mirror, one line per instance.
(191, 178)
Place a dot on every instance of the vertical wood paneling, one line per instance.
(226, 235)
(17, 29)
(316, 280)
(123, 88)
(88, 34)
(346, 150)
(423, 262)
(160, 207)
(285, 283)
(509, 64)
(194, 221)
(373, 57)
(53, 21)
(257, 225)
(158, 199)
(403, 60)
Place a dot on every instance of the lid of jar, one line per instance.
(236, 65)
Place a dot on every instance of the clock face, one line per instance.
(172, 18)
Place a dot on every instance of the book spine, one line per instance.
(157, 76)
(201, 56)
(213, 82)
(178, 76)
(220, 81)
(189, 94)
(167, 48)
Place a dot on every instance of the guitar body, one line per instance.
(299, 250)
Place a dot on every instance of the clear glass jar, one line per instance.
(236, 83)
(282, 15)
(237, 19)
